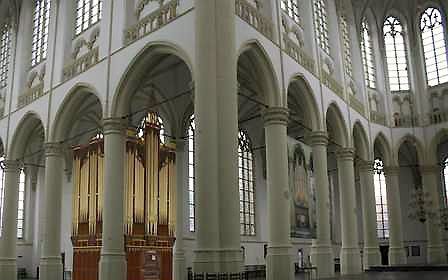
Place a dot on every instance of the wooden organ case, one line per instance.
(149, 205)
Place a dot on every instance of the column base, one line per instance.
(179, 266)
(350, 261)
(371, 257)
(50, 268)
(322, 257)
(279, 263)
(436, 254)
(397, 256)
(8, 268)
(217, 261)
(112, 266)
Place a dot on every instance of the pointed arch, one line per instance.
(253, 52)
(360, 141)
(432, 151)
(336, 125)
(30, 124)
(382, 149)
(409, 138)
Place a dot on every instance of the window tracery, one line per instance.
(41, 20)
(191, 176)
(434, 46)
(291, 7)
(396, 56)
(88, 12)
(246, 184)
(382, 218)
(5, 53)
(321, 25)
(346, 46)
(21, 205)
(368, 59)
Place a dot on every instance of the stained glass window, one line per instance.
(397, 63)
(191, 196)
(246, 184)
(5, 53)
(434, 46)
(41, 20)
(321, 25)
(382, 218)
(368, 59)
(88, 12)
(291, 7)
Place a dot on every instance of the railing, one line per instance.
(252, 16)
(331, 83)
(252, 272)
(152, 22)
(378, 118)
(31, 94)
(405, 121)
(357, 105)
(81, 64)
(298, 54)
(438, 117)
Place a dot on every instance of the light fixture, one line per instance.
(421, 206)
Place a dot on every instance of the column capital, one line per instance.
(52, 149)
(12, 165)
(319, 138)
(391, 170)
(276, 115)
(345, 154)
(365, 165)
(429, 169)
(113, 126)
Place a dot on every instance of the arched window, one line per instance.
(434, 46)
(191, 196)
(5, 52)
(382, 218)
(88, 12)
(445, 178)
(246, 184)
(155, 120)
(291, 7)
(41, 20)
(321, 25)
(2, 191)
(21, 205)
(346, 46)
(368, 59)
(397, 63)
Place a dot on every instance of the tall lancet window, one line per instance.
(445, 179)
(191, 177)
(382, 218)
(434, 46)
(321, 25)
(41, 21)
(21, 205)
(2, 191)
(5, 53)
(291, 7)
(346, 46)
(246, 183)
(368, 59)
(88, 12)
(397, 62)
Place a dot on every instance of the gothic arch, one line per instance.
(382, 149)
(30, 125)
(360, 141)
(336, 127)
(414, 141)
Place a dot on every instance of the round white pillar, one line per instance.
(371, 253)
(436, 250)
(113, 264)
(322, 255)
(397, 255)
(8, 239)
(180, 269)
(279, 259)
(50, 260)
(350, 253)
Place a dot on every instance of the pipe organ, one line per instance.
(149, 204)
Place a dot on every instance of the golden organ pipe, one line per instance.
(100, 185)
(84, 191)
(76, 169)
(140, 186)
(172, 194)
(92, 190)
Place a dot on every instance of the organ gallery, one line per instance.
(149, 203)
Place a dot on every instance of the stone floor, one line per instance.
(419, 275)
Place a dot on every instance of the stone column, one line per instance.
(50, 260)
(397, 255)
(113, 264)
(436, 250)
(8, 240)
(371, 253)
(216, 139)
(321, 251)
(350, 254)
(180, 269)
(278, 260)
